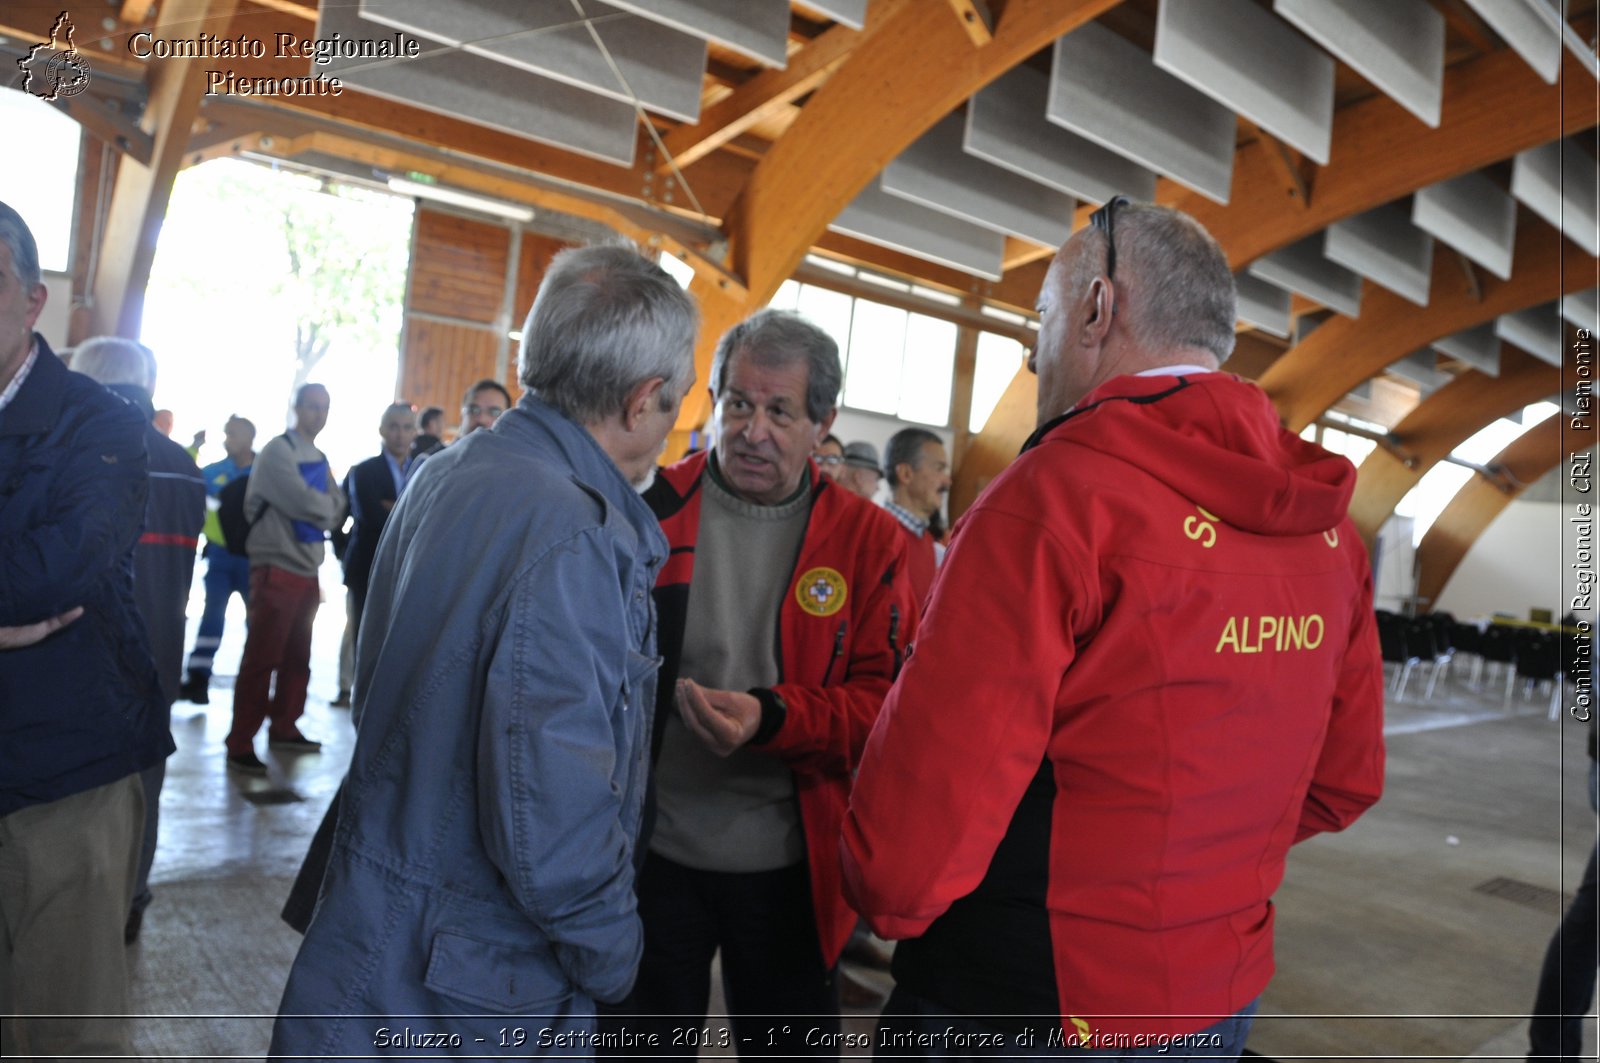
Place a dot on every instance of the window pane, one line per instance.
(787, 295)
(677, 269)
(925, 378)
(829, 311)
(999, 358)
(43, 195)
(877, 351)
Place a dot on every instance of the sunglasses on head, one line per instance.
(1105, 219)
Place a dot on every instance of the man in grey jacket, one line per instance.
(482, 866)
(292, 502)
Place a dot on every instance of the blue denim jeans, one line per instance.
(911, 1020)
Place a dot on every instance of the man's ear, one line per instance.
(642, 400)
(824, 426)
(1101, 299)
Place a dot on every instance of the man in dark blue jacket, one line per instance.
(372, 487)
(80, 708)
(163, 564)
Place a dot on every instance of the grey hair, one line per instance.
(395, 407)
(116, 360)
(1174, 288)
(300, 392)
(778, 338)
(905, 448)
(18, 238)
(605, 320)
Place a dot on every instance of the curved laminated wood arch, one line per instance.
(1494, 107)
(1343, 352)
(916, 68)
(1438, 425)
(1480, 501)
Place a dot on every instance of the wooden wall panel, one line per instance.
(458, 268)
(442, 361)
(537, 251)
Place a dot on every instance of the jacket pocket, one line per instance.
(497, 977)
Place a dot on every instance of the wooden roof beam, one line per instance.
(1439, 424)
(1474, 507)
(135, 11)
(139, 198)
(770, 92)
(1340, 354)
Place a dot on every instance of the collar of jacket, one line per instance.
(535, 422)
(136, 395)
(37, 406)
(682, 480)
(1139, 390)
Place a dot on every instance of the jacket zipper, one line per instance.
(894, 636)
(838, 650)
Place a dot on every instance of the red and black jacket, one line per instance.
(843, 624)
(1147, 668)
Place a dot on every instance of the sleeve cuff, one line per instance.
(773, 713)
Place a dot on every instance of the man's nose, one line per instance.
(759, 429)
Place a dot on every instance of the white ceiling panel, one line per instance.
(1473, 215)
(1301, 267)
(1109, 90)
(1383, 246)
(935, 172)
(1248, 59)
(901, 225)
(1006, 125)
(1399, 47)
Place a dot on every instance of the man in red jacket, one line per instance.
(1148, 667)
(784, 610)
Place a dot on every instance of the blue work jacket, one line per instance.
(505, 682)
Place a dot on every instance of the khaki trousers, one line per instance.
(67, 870)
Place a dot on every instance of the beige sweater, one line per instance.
(280, 494)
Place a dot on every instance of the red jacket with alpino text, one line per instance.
(1148, 666)
(843, 624)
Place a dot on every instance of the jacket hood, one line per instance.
(1216, 440)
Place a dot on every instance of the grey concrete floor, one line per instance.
(1416, 934)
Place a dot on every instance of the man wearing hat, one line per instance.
(861, 470)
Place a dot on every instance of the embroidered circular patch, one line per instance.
(821, 592)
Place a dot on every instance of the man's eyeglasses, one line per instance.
(492, 411)
(1105, 219)
(829, 459)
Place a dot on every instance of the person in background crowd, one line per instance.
(430, 433)
(1081, 793)
(860, 472)
(482, 405)
(163, 564)
(1567, 977)
(227, 573)
(784, 613)
(292, 502)
(482, 869)
(372, 488)
(162, 420)
(918, 471)
(829, 456)
(81, 713)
